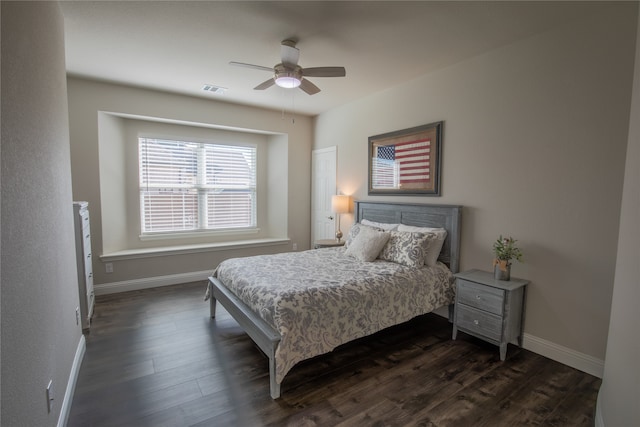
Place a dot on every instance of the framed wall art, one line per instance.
(406, 162)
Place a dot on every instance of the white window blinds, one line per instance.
(191, 186)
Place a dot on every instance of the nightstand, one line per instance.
(489, 309)
(328, 243)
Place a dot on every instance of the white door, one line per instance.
(323, 186)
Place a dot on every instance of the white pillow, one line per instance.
(381, 225)
(367, 244)
(435, 246)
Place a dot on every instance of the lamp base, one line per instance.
(338, 235)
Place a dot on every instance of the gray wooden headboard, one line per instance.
(448, 217)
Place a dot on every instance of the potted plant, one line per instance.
(505, 250)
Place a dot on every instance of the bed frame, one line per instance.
(422, 215)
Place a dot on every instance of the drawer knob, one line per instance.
(478, 297)
(475, 322)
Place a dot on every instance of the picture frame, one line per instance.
(406, 162)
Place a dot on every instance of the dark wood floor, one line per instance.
(154, 358)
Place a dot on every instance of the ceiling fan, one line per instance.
(289, 74)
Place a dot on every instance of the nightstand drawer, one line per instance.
(479, 322)
(480, 296)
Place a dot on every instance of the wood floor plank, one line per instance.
(196, 411)
(380, 412)
(477, 400)
(537, 395)
(570, 411)
(155, 358)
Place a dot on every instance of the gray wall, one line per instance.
(619, 395)
(39, 286)
(535, 137)
(90, 101)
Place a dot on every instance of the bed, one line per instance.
(325, 298)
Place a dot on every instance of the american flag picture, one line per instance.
(403, 165)
(406, 161)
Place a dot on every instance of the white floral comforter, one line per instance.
(320, 299)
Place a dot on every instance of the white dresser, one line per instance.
(84, 262)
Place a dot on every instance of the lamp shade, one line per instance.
(340, 204)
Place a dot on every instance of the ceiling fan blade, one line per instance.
(324, 72)
(289, 53)
(255, 67)
(309, 87)
(265, 84)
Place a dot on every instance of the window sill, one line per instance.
(189, 249)
(203, 233)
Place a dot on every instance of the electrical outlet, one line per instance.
(108, 267)
(295, 246)
(77, 315)
(50, 396)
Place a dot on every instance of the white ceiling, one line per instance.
(181, 46)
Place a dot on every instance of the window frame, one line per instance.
(202, 190)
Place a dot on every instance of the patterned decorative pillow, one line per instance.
(407, 248)
(354, 231)
(367, 244)
(435, 247)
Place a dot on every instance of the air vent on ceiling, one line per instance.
(214, 89)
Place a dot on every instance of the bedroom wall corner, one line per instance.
(618, 396)
(40, 336)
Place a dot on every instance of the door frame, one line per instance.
(334, 189)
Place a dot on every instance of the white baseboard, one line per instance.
(71, 384)
(150, 282)
(575, 359)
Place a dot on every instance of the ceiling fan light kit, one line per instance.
(289, 75)
(287, 78)
(287, 82)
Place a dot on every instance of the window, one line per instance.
(192, 186)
